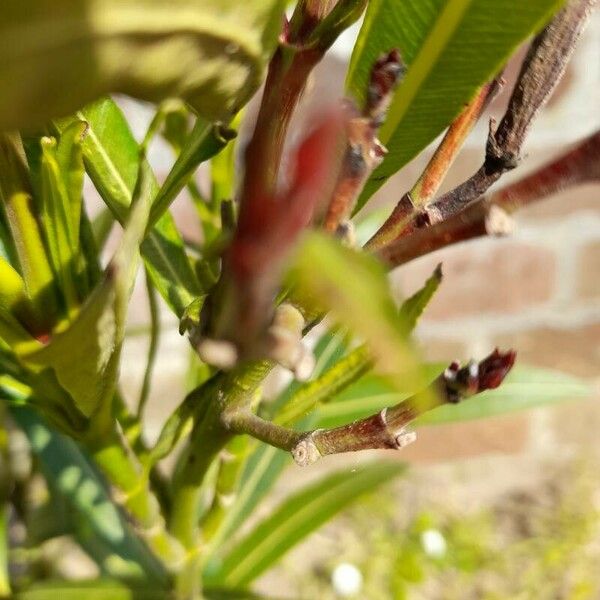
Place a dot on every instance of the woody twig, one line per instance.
(385, 429)
(363, 151)
(491, 214)
(542, 68)
(403, 219)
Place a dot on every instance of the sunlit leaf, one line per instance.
(98, 525)
(13, 303)
(296, 518)
(61, 175)
(412, 308)
(355, 288)
(525, 387)
(210, 53)
(204, 141)
(451, 47)
(16, 197)
(85, 356)
(111, 158)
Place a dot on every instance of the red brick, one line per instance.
(575, 351)
(588, 271)
(506, 434)
(489, 277)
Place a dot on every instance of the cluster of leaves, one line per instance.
(62, 312)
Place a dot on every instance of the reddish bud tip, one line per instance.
(385, 74)
(494, 368)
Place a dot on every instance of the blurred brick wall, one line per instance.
(538, 291)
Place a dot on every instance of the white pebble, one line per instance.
(347, 580)
(433, 543)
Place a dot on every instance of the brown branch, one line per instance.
(402, 220)
(302, 45)
(541, 71)
(265, 234)
(542, 68)
(269, 220)
(387, 428)
(490, 215)
(363, 151)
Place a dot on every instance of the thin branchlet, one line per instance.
(363, 151)
(411, 209)
(542, 68)
(541, 71)
(490, 215)
(385, 429)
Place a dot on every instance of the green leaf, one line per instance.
(56, 55)
(14, 306)
(204, 141)
(346, 371)
(412, 308)
(524, 388)
(85, 356)
(452, 47)
(354, 286)
(294, 519)
(21, 215)
(61, 187)
(179, 424)
(97, 589)
(365, 397)
(111, 158)
(266, 463)
(98, 525)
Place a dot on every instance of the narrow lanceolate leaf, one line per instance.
(365, 397)
(294, 519)
(412, 308)
(15, 309)
(17, 202)
(96, 523)
(356, 363)
(345, 372)
(61, 188)
(355, 288)
(85, 356)
(204, 141)
(97, 589)
(111, 158)
(451, 47)
(209, 53)
(525, 387)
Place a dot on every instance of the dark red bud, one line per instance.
(494, 368)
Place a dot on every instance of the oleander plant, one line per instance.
(285, 251)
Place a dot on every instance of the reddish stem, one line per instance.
(487, 216)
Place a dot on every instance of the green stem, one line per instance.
(152, 346)
(207, 440)
(209, 436)
(132, 491)
(4, 575)
(230, 468)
